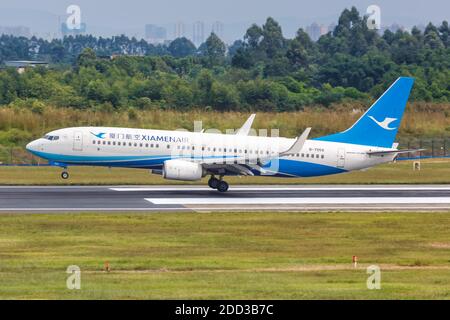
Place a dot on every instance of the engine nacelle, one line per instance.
(182, 170)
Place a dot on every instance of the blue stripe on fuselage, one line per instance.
(297, 168)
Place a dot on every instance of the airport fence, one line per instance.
(435, 148)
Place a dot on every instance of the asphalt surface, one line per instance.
(58, 199)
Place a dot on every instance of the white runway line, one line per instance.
(426, 188)
(253, 201)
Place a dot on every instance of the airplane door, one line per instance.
(77, 141)
(341, 158)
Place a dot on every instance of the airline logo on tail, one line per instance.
(385, 123)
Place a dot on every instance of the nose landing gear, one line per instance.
(65, 175)
(218, 184)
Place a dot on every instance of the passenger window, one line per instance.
(157, 145)
(307, 155)
(323, 156)
(93, 142)
(317, 156)
(130, 144)
(104, 142)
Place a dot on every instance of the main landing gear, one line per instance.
(218, 184)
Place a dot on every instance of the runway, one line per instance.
(61, 199)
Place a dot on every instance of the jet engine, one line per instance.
(182, 170)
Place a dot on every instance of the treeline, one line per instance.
(263, 71)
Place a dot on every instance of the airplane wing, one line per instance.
(233, 169)
(243, 165)
(245, 130)
(388, 152)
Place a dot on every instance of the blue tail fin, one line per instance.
(379, 125)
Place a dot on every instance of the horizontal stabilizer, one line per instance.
(381, 153)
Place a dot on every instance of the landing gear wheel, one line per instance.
(213, 183)
(65, 175)
(222, 186)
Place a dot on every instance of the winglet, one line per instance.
(245, 130)
(298, 144)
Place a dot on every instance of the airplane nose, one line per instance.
(31, 146)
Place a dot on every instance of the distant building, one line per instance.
(332, 26)
(198, 33)
(180, 30)
(315, 31)
(66, 31)
(155, 34)
(22, 65)
(218, 29)
(16, 31)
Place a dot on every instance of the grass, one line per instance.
(433, 171)
(421, 119)
(225, 255)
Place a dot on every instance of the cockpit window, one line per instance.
(51, 138)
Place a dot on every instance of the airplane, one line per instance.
(191, 156)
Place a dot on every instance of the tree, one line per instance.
(253, 36)
(232, 50)
(86, 58)
(298, 48)
(296, 54)
(181, 47)
(272, 41)
(444, 31)
(205, 82)
(214, 50)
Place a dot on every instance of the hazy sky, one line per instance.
(130, 16)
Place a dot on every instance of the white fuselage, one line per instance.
(141, 148)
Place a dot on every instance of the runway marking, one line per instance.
(253, 201)
(259, 189)
(91, 209)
